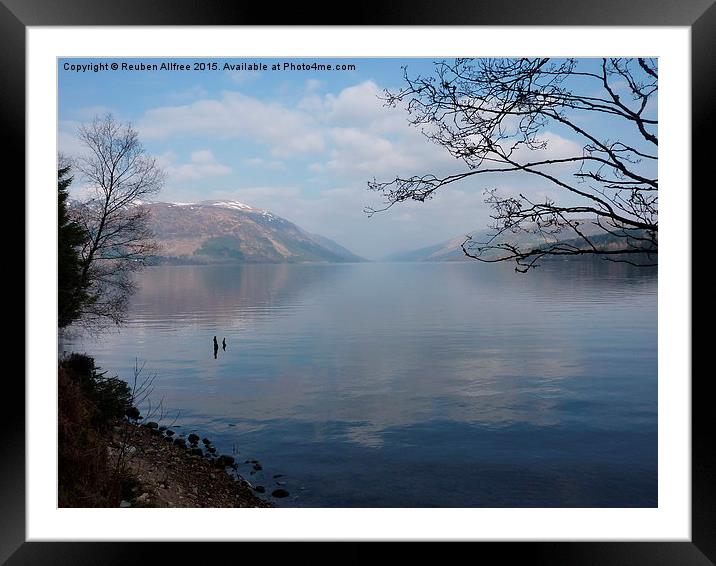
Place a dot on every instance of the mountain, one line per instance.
(451, 250)
(234, 232)
(445, 251)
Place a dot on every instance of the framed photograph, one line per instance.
(392, 281)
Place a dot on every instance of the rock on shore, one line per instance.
(167, 475)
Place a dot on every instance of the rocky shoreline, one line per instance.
(110, 456)
(166, 470)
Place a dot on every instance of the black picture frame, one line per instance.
(698, 15)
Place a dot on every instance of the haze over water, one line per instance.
(414, 384)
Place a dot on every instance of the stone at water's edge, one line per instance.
(226, 460)
(279, 493)
(189, 472)
(260, 489)
(193, 438)
(151, 424)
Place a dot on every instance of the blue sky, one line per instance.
(301, 144)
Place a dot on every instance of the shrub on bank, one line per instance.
(89, 403)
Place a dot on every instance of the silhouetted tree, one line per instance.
(119, 174)
(70, 237)
(494, 115)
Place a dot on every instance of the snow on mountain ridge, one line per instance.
(236, 205)
(230, 204)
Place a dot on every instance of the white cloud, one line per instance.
(354, 104)
(89, 112)
(202, 157)
(192, 93)
(67, 141)
(360, 153)
(351, 132)
(363, 105)
(557, 147)
(201, 164)
(313, 104)
(235, 115)
(312, 85)
(366, 138)
(265, 163)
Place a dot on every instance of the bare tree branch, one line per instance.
(119, 175)
(493, 114)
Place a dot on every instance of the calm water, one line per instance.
(397, 385)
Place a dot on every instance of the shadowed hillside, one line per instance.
(233, 232)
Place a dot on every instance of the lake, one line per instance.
(408, 384)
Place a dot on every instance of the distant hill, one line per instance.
(451, 250)
(234, 232)
(445, 251)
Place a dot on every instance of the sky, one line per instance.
(301, 143)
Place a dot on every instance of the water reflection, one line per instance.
(220, 294)
(329, 361)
